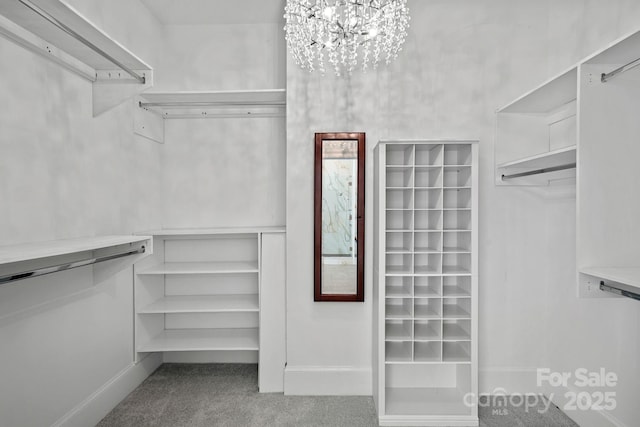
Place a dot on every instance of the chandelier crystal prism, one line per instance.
(345, 34)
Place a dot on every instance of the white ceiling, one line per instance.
(185, 12)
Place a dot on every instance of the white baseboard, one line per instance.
(92, 409)
(524, 380)
(327, 381)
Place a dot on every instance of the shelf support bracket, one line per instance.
(539, 171)
(618, 291)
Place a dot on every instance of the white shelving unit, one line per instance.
(155, 107)
(607, 204)
(425, 281)
(54, 30)
(581, 127)
(200, 298)
(537, 135)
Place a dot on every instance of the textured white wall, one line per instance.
(65, 174)
(463, 59)
(223, 172)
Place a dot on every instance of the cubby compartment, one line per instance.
(428, 263)
(457, 220)
(428, 177)
(399, 199)
(427, 330)
(399, 308)
(456, 308)
(456, 286)
(399, 242)
(398, 286)
(398, 351)
(399, 264)
(428, 351)
(400, 155)
(428, 155)
(428, 198)
(399, 220)
(427, 308)
(457, 176)
(457, 241)
(400, 177)
(428, 220)
(456, 351)
(457, 198)
(427, 286)
(427, 242)
(456, 330)
(457, 155)
(398, 330)
(456, 263)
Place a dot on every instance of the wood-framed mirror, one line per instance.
(339, 216)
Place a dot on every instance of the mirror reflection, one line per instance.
(339, 230)
(339, 217)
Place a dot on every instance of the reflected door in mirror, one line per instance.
(339, 222)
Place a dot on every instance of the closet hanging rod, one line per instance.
(66, 266)
(84, 41)
(618, 291)
(629, 66)
(539, 171)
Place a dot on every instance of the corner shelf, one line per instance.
(56, 31)
(154, 107)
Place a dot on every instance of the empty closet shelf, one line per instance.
(203, 304)
(203, 340)
(202, 268)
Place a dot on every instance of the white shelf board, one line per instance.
(624, 275)
(237, 103)
(425, 401)
(203, 340)
(558, 157)
(555, 92)
(203, 304)
(30, 21)
(210, 231)
(202, 268)
(30, 251)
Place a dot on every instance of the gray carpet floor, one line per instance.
(178, 395)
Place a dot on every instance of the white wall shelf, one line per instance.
(30, 260)
(425, 303)
(237, 339)
(154, 107)
(227, 267)
(32, 251)
(54, 30)
(551, 166)
(214, 295)
(203, 304)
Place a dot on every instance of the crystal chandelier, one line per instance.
(345, 32)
